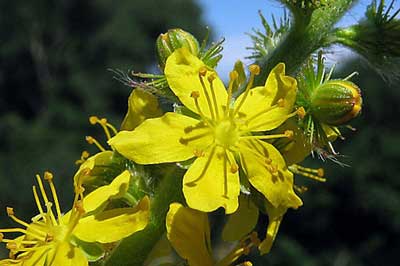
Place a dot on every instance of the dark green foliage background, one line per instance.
(54, 57)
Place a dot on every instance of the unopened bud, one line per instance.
(336, 102)
(168, 42)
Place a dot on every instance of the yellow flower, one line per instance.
(222, 131)
(189, 233)
(55, 239)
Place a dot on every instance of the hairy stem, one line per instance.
(306, 35)
(135, 249)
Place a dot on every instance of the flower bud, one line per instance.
(168, 42)
(335, 102)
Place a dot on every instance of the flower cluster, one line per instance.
(234, 148)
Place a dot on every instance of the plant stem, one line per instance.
(135, 249)
(305, 36)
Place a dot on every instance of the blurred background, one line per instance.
(54, 61)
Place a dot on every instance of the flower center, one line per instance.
(226, 134)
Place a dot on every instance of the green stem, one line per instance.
(135, 249)
(306, 36)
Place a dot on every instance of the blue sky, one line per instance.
(231, 19)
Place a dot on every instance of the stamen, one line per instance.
(243, 248)
(38, 204)
(102, 122)
(46, 200)
(202, 73)
(254, 70)
(193, 183)
(315, 174)
(210, 79)
(233, 75)
(198, 153)
(195, 95)
(185, 141)
(287, 134)
(301, 189)
(84, 156)
(189, 129)
(301, 112)
(92, 140)
(49, 177)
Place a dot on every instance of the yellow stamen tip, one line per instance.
(203, 71)
(254, 69)
(85, 154)
(1, 237)
(79, 207)
(11, 245)
(103, 121)
(48, 176)
(233, 75)
(89, 139)
(247, 263)
(281, 103)
(49, 237)
(211, 77)
(10, 211)
(93, 119)
(234, 168)
(301, 112)
(321, 172)
(195, 94)
(289, 134)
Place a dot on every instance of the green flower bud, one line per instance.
(168, 42)
(335, 102)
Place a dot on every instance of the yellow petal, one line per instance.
(141, 106)
(275, 216)
(295, 149)
(267, 172)
(113, 225)
(182, 73)
(159, 140)
(209, 183)
(241, 222)
(256, 109)
(188, 231)
(116, 189)
(66, 255)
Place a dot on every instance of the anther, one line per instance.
(89, 139)
(203, 71)
(289, 133)
(254, 69)
(1, 237)
(301, 189)
(48, 176)
(93, 120)
(79, 207)
(246, 263)
(198, 153)
(234, 168)
(11, 245)
(10, 211)
(281, 103)
(320, 172)
(103, 121)
(233, 75)
(301, 112)
(211, 77)
(49, 237)
(268, 160)
(195, 94)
